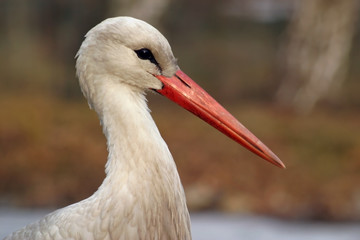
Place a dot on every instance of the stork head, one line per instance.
(124, 50)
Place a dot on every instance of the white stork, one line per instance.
(141, 196)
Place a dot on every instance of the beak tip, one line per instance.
(282, 165)
(278, 162)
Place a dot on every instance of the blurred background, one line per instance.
(288, 70)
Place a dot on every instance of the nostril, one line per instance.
(182, 81)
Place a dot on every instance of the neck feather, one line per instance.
(140, 169)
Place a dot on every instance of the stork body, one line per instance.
(141, 196)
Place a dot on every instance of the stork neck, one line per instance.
(140, 169)
(133, 139)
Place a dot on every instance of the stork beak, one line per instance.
(184, 91)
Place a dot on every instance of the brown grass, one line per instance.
(52, 153)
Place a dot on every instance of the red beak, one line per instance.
(184, 91)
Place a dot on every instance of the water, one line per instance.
(211, 226)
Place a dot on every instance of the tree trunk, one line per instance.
(316, 51)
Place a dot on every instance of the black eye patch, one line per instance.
(146, 54)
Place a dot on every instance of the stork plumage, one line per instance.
(141, 196)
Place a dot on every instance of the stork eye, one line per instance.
(145, 54)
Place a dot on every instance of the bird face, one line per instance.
(124, 50)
